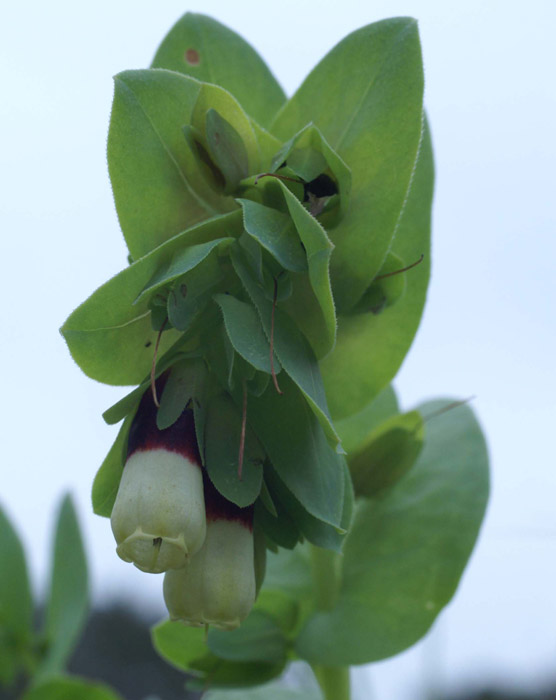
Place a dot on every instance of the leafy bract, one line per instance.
(16, 603)
(370, 348)
(244, 329)
(258, 639)
(354, 430)
(366, 98)
(406, 552)
(66, 607)
(312, 305)
(222, 444)
(387, 454)
(305, 462)
(203, 48)
(276, 232)
(109, 337)
(186, 648)
(107, 479)
(291, 348)
(148, 159)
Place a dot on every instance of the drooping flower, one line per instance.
(218, 584)
(158, 518)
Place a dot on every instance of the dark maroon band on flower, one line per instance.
(179, 437)
(219, 508)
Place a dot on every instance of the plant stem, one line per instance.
(334, 681)
(327, 580)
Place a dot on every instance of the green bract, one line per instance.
(279, 264)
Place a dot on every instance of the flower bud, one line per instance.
(158, 518)
(217, 586)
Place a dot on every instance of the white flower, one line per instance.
(158, 518)
(217, 586)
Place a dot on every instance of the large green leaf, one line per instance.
(366, 98)
(109, 337)
(299, 451)
(370, 348)
(148, 159)
(406, 552)
(70, 688)
(203, 48)
(289, 572)
(16, 603)
(66, 607)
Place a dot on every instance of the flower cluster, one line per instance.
(168, 517)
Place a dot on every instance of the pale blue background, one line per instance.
(488, 329)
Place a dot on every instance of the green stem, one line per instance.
(334, 681)
(326, 570)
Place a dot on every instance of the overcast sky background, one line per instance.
(488, 328)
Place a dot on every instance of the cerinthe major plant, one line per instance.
(271, 296)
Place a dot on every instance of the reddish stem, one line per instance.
(153, 366)
(404, 269)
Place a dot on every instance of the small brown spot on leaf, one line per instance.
(192, 57)
(148, 344)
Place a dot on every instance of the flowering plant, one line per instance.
(278, 268)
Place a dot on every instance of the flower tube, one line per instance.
(158, 518)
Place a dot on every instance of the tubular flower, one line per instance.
(158, 518)
(217, 586)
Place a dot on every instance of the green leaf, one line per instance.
(182, 262)
(369, 348)
(110, 338)
(200, 46)
(66, 607)
(258, 638)
(312, 305)
(245, 332)
(70, 688)
(354, 430)
(278, 527)
(276, 232)
(213, 98)
(181, 386)
(314, 530)
(222, 442)
(388, 454)
(185, 648)
(407, 551)
(291, 348)
(366, 98)
(16, 603)
(227, 150)
(107, 479)
(299, 451)
(150, 165)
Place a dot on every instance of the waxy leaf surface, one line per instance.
(370, 348)
(366, 97)
(149, 161)
(203, 48)
(67, 602)
(406, 551)
(109, 337)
